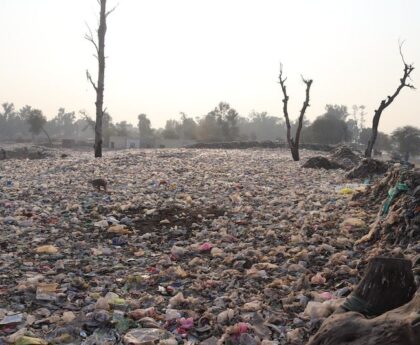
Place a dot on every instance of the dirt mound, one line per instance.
(368, 167)
(344, 156)
(320, 162)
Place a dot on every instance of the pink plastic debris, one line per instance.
(185, 325)
(326, 295)
(206, 246)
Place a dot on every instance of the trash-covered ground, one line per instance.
(185, 246)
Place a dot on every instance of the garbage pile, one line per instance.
(18, 151)
(199, 246)
(184, 245)
(321, 162)
(396, 197)
(342, 157)
(388, 311)
(367, 168)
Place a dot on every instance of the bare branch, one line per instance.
(285, 100)
(408, 68)
(400, 44)
(308, 83)
(89, 37)
(111, 10)
(89, 121)
(89, 77)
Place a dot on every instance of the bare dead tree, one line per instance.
(294, 142)
(408, 68)
(99, 46)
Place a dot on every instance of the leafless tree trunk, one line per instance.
(408, 68)
(46, 133)
(294, 142)
(99, 87)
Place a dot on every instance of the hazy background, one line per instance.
(168, 56)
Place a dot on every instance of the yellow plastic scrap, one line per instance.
(117, 301)
(30, 341)
(346, 191)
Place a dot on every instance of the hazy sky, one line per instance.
(168, 56)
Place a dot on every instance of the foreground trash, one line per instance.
(201, 246)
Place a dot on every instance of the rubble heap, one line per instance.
(367, 168)
(398, 196)
(342, 157)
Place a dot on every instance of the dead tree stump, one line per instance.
(388, 283)
(396, 327)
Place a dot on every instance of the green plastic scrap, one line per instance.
(392, 194)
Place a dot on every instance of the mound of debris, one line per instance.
(398, 218)
(342, 157)
(321, 162)
(24, 152)
(368, 167)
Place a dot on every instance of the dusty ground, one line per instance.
(230, 244)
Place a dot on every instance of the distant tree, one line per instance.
(36, 121)
(99, 46)
(357, 124)
(337, 111)
(83, 130)
(353, 131)
(408, 140)
(209, 129)
(145, 130)
(262, 126)
(172, 129)
(9, 120)
(107, 127)
(188, 127)
(293, 142)
(329, 129)
(63, 124)
(89, 121)
(220, 124)
(383, 140)
(408, 68)
(121, 128)
(227, 121)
